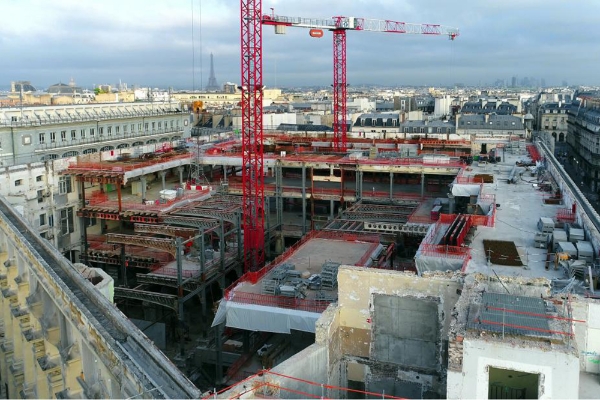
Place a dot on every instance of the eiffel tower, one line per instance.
(212, 86)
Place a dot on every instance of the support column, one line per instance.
(222, 243)
(180, 170)
(219, 347)
(268, 227)
(451, 203)
(331, 209)
(203, 301)
(123, 266)
(279, 194)
(359, 184)
(391, 186)
(83, 224)
(163, 175)
(303, 199)
(422, 184)
(178, 257)
(143, 181)
(240, 244)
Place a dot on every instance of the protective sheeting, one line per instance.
(485, 207)
(462, 190)
(428, 263)
(253, 317)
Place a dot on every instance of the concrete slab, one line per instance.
(521, 206)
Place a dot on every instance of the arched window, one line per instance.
(123, 146)
(107, 148)
(70, 154)
(90, 151)
(561, 137)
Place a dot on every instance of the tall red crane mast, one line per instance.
(339, 26)
(253, 181)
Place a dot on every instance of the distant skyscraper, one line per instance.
(514, 82)
(212, 86)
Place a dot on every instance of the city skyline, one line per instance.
(151, 43)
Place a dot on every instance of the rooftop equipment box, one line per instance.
(576, 235)
(546, 225)
(558, 236)
(585, 251)
(541, 240)
(568, 248)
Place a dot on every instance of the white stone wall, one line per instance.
(559, 371)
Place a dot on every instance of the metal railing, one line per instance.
(118, 114)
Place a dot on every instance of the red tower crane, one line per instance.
(339, 26)
(253, 180)
(252, 101)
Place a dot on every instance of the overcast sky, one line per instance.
(150, 42)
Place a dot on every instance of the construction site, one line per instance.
(330, 265)
(167, 225)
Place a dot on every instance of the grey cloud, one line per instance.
(551, 40)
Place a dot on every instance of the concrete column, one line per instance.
(331, 208)
(391, 186)
(303, 199)
(422, 184)
(163, 175)
(279, 244)
(451, 203)
(143, 181)
(180, 170)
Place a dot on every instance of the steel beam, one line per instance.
(167, 245)
(165, 230)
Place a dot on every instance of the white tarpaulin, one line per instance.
(462, 190)
(254, 317)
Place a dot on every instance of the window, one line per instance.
(171, 124)
(63, 135)
(109, 131)
(92, 132)
(39, 178)
(146, 127)
(50, 220)
(52, 137)
(73, 134)
(133, 128)
(42, 137)
(42, 219)
(101, 131)
(118, 129)
(18, 182)
(140, 127)
(66, 221)
(40, 196)
(160, 125)
(64, 185)
(82, 133)
(153, 126)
